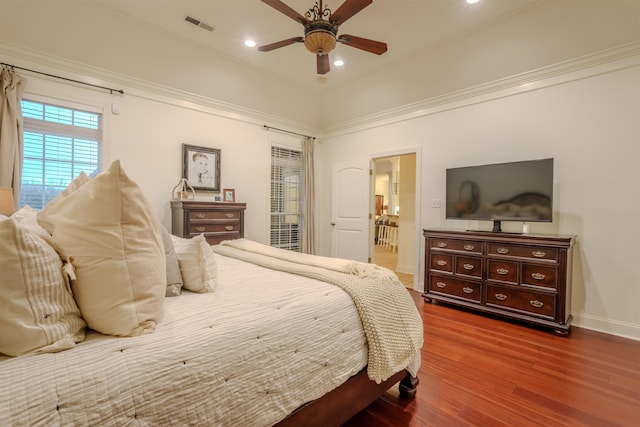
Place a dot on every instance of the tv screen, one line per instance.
(514, 191)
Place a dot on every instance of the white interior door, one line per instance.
(350, 210)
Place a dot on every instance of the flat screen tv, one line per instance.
(515, 191)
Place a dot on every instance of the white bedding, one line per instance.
(298, 339)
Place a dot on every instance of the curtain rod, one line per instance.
(288, 131)
(111, 90)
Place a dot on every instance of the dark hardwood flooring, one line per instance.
(478, 370)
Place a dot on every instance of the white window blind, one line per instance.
(59, 143)
(286, 198)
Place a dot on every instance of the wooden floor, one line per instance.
(481, 371)
(389, 259)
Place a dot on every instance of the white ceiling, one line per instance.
(407, 26)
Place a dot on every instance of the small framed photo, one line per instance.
(229, 195)
(201, 167)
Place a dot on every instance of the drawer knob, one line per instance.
(467, 290)
(441, 262)
(502, 250)
(469, 247)
(502, 271)
(441, 285)
(538, 254)
(228, 227)
(501, 297)
(201, 215)
(538, 276)
(200, 229)
(468, 266)
(536, 303)
(442, 245)
(229, 215)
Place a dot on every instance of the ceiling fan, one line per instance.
(321, 30)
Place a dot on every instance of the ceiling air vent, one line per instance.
(197, 22)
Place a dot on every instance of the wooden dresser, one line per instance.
(217, 220)
(522, 277)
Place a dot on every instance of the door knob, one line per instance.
(333, 223)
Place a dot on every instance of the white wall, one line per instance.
(590, 124)
(147, 137)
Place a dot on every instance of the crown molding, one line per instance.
(36, 60)
(602, 62)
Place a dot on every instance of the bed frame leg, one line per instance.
(408, 386)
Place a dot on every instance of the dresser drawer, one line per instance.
(470, 246)
(214, 239)
(204, 215)
(533, 252)
(537, 303)
(456, 288)
(469, 266)
(539, 275)
(502, 271)
(441, 262)
(197, 228)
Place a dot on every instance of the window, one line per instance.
(59, 143)
(286, 198)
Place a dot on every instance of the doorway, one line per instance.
(393, 239)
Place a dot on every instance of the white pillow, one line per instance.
(107, 230)
(197, 263)
(38, 311)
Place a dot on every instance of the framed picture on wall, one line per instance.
(201, 167)
(229, 195)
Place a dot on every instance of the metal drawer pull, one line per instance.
(502, 271)
(201, 215)
(467, 290)
(536, 303)
(538, 254)
(200, 228)
(229, 215)
(441, 262)
(501, 297)
(502, 250)
(468, 266)
(441, 285)
(442, 245)
(538, 276)
(469, 247)
(228, 227)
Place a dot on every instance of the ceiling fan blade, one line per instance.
(365, 44)
(283, 8)
(281, 43)
(323, 63)
(347, 10)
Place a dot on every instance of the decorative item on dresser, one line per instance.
(217, 220)
(522, 277)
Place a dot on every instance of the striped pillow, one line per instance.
(38, 310)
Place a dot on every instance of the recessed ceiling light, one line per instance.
(472, 1)
(250, 43)
(338, 62)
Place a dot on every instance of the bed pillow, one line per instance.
(38, 310)
(174, 277)
(108, 232)
(197, 263)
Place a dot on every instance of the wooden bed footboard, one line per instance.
(340, 404)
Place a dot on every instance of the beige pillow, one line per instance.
(197, 263)
(107, 230)
(37, 310)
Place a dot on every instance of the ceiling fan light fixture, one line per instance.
(320, 41)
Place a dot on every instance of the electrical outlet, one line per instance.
(435, 203)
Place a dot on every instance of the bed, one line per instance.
(262, 337)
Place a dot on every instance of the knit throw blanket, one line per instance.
(390, 319)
